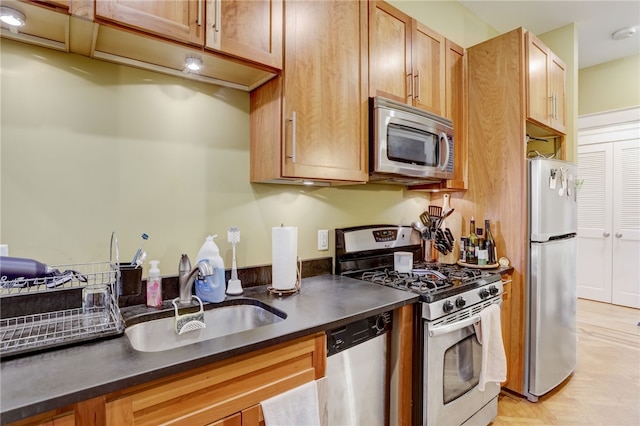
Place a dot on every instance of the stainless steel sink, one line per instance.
(159, 334)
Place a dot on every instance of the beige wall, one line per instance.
(564, 43)
(610, 86)
(449, 18)
(89, 147)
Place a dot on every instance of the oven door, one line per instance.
(452, 364)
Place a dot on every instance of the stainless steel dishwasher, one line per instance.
(357, 377)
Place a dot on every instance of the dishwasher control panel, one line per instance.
(354, 333)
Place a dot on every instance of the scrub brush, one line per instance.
(234, 286)
(189, 322)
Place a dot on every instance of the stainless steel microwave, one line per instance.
(408, 145)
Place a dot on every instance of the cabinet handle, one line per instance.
(199, 20)
(417, 77)
(410, 85)
(218, 6)
(618, 234)
(293, 137)
(606, 234)
(555, 106)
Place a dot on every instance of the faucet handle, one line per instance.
(205, 268)
(185, 264)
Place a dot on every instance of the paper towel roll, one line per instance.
(284, 255)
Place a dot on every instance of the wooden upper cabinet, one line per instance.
(310, 124)
(406, 59)
(390, 66)
(557, 71)
(546, 100)
(428, 52)
(174, 19)
(247, 29)
(455, 95)
(250, 30)
(456, 111)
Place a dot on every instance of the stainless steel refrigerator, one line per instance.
(550, 354)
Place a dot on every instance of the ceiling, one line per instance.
(595, 22)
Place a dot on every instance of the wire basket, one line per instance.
(28, 333)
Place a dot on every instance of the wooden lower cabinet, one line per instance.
(221, 391)
(229, 392)
(52, 418)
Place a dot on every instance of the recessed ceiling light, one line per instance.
(623, 33)
(12, 17)
(193, 64)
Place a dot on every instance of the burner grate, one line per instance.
(422, 281)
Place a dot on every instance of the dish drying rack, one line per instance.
(29, 333)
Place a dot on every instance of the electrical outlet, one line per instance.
(323, 239)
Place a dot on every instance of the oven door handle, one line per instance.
(450, 328)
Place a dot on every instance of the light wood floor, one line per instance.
(605, 386)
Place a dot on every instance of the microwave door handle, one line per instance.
(443, 136)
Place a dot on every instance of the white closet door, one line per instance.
(626, 224)
(595, 163)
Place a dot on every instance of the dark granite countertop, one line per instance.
(41, 382)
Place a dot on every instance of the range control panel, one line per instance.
(354, 333)
(385, 234)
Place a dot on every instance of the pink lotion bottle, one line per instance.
(154, 286)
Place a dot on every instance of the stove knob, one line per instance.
(460, 302)
(493, 290)
(447, 307)
(484, 293)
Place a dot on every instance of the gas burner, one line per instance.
(453, 271)
(420, 281)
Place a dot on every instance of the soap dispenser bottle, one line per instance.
(154, 286)
(211, 288)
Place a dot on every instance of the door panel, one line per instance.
(322, 69)
(390, 56)
(594, 222)
(626, 224)
(428, 48)
(552, 338)
(178, 20)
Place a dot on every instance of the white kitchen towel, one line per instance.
(489, 333)
(297, 407)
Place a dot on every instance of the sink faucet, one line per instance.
(186, 276)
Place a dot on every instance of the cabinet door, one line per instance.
(505, 314)
(428, 53)
(538, 99)
(390, 73)
(626, 224)
(557, 92)
(455, 102)
(174, 19)
(325, 98)
(247, 29)
(595, 214)
(232, 420)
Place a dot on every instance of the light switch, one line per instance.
(323, 239)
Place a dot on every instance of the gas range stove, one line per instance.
(366, 253)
